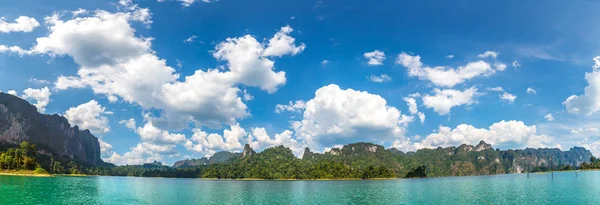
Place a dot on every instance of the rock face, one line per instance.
(247, 151)
(52, 134)
(190, 163)
(218, 157)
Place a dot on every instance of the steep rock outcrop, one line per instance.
(248, 151)
(52, 134)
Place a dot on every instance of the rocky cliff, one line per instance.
(218, 157)
(52, 134)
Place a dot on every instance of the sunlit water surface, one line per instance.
(564, 188)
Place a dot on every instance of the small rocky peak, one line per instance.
(248, 151)
(307, 153)
(465, 148)
(335, 151)
(482, 146)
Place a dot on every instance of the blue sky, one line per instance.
(167, 80)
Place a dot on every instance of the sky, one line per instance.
(170, 80)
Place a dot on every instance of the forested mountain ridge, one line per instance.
(218, 157)
(53, 135)
(367, 160)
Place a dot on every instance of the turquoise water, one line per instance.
(564, 188)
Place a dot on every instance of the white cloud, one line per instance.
(297, 106)
(505, 95)
(142, 153)
(504, 134)
(442, 75)
(380, 79)
(13, 49)
(500, 66)
(150, 133)
(549, 117)
(450, 56)
(516, 64)
(190, 39)
(336, 116)
(324, 63)
(375, 57)
(497, 89)
(187, 3)
(78, 12)
(116, 63)
(531, 90)
(106, 149)
(38, 81)
(488, 54)
(588, 131)
(589, 102)
(21, 24)
(259, 139)
(90, 116)
(508, 97)
(129, 123)
(12, 92)
(444, 100)
(421, 117)
(283, 44)
(412, 107)
(247, 96)
(230, 141)
(41, 96)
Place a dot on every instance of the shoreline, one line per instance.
(26, 173)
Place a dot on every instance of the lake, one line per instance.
(564, 188)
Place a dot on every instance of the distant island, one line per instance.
(47, 144)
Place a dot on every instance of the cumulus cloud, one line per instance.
(106, 149)
(13, 49)
(503, 134)
(41, 96)
(283, 44)
(508, 97)
(413, 109)
(588, 102)
(90, 115)
(150, 133)
(21, 24)
(488, 54)
(531, 90)
(549, 117)
(231, 140)
(380, 79)
(442, 101)
(141, 153)
(296, 106)
(375, 57)
(337, 116)
(260, 139)
(116, 63)
(129, 123)
(443, 75)
(324, 63)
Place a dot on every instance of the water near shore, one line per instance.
(564, 188)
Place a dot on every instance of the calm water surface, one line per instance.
(564, 188)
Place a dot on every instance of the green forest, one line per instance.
(353, 161)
